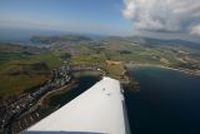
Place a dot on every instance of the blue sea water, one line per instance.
(168, 102)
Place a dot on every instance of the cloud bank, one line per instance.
(164, 15)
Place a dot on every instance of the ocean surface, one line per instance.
(168, 102)
(84, 83)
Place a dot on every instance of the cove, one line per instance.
(168, 102)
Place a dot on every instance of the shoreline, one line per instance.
(45, 99)
(41, 101)
(182, 70)
(73, 83)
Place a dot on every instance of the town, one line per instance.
(15, 106)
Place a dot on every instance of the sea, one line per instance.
(168, 102)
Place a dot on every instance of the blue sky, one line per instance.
(152, 18)
(84, 16)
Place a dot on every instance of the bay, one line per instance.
(168, 102)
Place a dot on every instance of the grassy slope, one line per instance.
(139, 53)
(115, 69)
(20, 71)
(15, 58)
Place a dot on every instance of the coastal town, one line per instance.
(13, 107)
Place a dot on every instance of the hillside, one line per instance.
(24, 67)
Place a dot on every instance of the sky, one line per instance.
(159, 18)
(94, 16)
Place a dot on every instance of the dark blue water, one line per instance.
(168, 102)
(84, 83)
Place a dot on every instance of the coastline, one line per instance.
(73, 83)
(182, 70)
(43, 103)
(124, 78)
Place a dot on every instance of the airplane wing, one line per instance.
(99, 110)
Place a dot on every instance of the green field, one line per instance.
(23, 68)
(20, 71)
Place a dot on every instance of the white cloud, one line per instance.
(164, 15)
(195, 30)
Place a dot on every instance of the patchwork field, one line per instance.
(25, 67)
